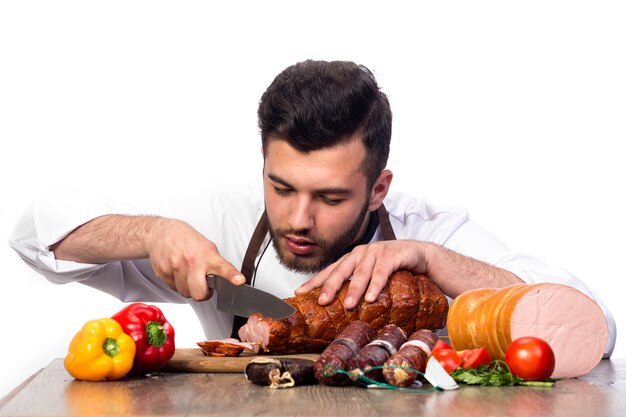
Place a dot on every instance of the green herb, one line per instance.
(496, 374)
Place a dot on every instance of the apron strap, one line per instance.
(385, 223)
(258, 236)
(247, 266)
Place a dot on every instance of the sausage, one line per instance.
(559, 314)
(336, 356)
(387, 342)
(280, 372)
(412, 354)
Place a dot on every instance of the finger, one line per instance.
(380, 277)
(180, 281)
(360, 280)
(164, 274)
(167, 278)
(340, 274)
(220, 266)
(179, 271)
(169, 281)
(196, 282)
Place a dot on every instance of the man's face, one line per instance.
(317, 203)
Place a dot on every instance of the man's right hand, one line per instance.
(182, 257)
(179, 254)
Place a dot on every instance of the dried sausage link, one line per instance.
(387, 341)
(336, 356)
(400, 368)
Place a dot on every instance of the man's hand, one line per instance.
(182, 257)
(368, 268)
(179, 254)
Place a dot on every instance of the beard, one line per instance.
(326, 252)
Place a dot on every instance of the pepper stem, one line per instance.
(156, 335)
(111, 347)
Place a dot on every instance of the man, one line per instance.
(325, 129)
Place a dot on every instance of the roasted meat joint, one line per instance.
(409, 301)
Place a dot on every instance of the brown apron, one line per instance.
(247, 266)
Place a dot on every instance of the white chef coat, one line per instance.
(228, 217)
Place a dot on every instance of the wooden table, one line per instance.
(52, 392)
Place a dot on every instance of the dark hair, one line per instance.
(318, 104)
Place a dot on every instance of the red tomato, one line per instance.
(448, 358)
(441, 345)
(473, 358)
(530, 358)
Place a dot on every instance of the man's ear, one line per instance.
(380, 189)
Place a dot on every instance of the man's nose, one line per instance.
(302, 215)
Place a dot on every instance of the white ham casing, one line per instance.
(572, 323)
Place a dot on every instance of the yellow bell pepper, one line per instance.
(100, 351)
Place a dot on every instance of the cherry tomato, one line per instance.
(530, 358)
(448, 358)
(441, 344)
(473, 358)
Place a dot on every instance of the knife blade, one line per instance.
(243, 300)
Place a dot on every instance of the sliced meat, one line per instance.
(259, 329)
(224, 347)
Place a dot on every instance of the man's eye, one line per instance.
(281, 191)
(331, 201)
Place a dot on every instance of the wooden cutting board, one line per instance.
(193, 360)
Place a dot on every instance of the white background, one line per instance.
(513, 111)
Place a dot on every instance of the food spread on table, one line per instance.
(517, 335)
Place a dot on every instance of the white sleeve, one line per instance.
(52, 218)
(472, 240)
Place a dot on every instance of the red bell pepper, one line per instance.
(152, 333)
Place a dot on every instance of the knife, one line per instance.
(243, 300)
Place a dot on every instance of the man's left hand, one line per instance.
(368, 268)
